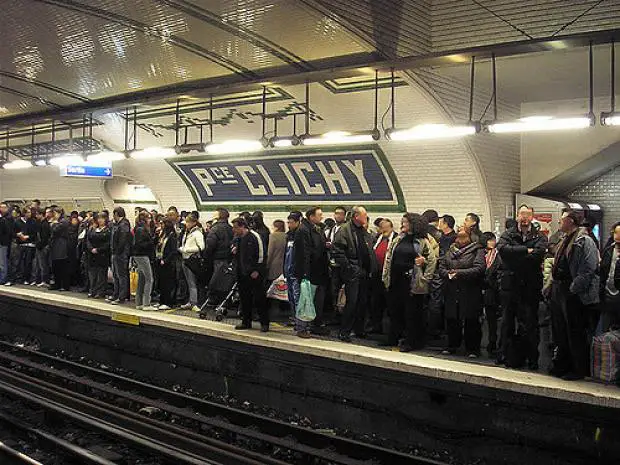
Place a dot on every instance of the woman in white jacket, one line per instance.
(193, 242)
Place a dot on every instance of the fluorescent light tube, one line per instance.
(432, 131)
(105, 156)
(153, 153)
(17, 165)
(541, 123)
(234, 146)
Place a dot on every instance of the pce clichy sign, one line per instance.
(294, 178)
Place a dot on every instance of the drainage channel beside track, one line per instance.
(190, 426)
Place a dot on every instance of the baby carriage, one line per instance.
(223, 292)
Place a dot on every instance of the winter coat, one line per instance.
(218, 241)
(492, 279)
(250, 255)
(143, 242)
(463, 294)
(583, 264)
(311, 260)
(345, 254)
(98, 239)
(275, 255)
(289, 255)
(522, 272)
(27, 228)
(170, 251)
(192, 242)
(422, 275)
(42, 234)
(121, 237)
(606, 268)
(59, 240)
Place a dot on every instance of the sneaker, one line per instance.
(42, 285)
(472, 356)
(448, 352)
(163, 307)
(8, 283)
(26, 283)
(110, 298)
(33, 283)
(186, 306)
(151, 308)
(195, 309)
(117, 302)
(90, 296)
(344, 337)
(138, 307)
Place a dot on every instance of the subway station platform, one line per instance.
(333, 382)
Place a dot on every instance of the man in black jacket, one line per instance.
(610, 282)
(522, 250)
(6, 237)
(120, 245)
(353, 252)
(250, 257)
(41, 267)
(311, 264)
(218, 242)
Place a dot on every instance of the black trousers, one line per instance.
(570, 323)
(62, 276)
(167, 282)
(98, 280)
(354, 315)
(520, 313)
(251, 292)
(491, 313)
(26, 258)
(406, 313)
(468, 329)
(378, 305)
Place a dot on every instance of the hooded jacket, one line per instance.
(218, 240)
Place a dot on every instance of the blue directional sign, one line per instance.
(87, 171)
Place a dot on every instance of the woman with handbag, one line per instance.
(165, 261)
(142, 252)
(192, 245)
(98, 256)
(409, 266)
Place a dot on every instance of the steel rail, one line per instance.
(327, 446)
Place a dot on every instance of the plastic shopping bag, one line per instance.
(278, 289)
(342, 300)
(305, 310)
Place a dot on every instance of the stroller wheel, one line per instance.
(202, 315)
(219, 317)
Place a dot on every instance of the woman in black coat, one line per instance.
(59, 251)
(166, 254)
(98, 256)
(463, 269)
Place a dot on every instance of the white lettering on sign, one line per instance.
(357, 168)
(205, 179)
(244, 171)
(290, 178)
(334, 177)
(275, 190)
(299, 168)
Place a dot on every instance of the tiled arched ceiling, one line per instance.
(57, 53)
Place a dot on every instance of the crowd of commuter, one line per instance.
(410, 282)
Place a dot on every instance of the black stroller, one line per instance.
(223, 294)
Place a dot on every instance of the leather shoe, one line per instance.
(572, 377)
(242, 326)
(344, 337)
(264, 328)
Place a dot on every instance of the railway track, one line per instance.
(202, 428)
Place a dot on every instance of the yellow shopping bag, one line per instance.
(133, 282)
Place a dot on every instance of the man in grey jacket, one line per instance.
(574, 294)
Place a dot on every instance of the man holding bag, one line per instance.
(250, 256)
(311, 270)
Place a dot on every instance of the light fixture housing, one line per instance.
(187, 148)
(67, 159)
(17, 165)
(432, 131)
(542, 123)
(611, 118)
(234, 146)
(152, 153)
(105, 156)
(341, 138)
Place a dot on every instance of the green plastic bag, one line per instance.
(305, 310)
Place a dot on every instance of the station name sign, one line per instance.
(292, 178)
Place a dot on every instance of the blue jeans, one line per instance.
(41, 266)
(4, 263)
(145, 281)
(293, 293)
(191, 285)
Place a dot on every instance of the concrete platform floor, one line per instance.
(426, 363)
